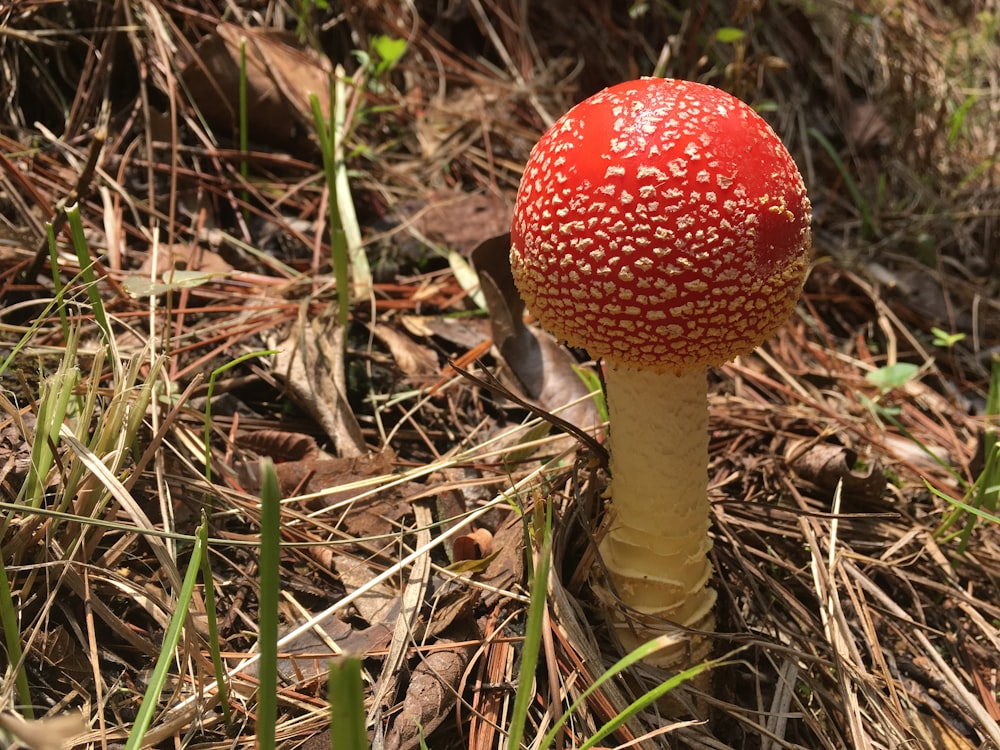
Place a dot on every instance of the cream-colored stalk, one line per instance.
(656, 548)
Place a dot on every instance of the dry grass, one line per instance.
(859, 626)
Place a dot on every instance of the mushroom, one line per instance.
(661, 225)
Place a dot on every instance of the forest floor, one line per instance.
(170, 317)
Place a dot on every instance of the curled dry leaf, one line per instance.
(280, 444)
(190, 257)
(178, 266)
(506, 569)
(826, 465)
(430, 696)
(473, 546)
(306, 656)
(317, 474)
(380, 603)
(542, 367)
(451, 219)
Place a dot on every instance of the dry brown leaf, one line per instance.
(866, 126)
(826, 465)
(323, 476)
(944, 735)
(280, 445)
(413, 359)
(311, 361)
(307, 655)
(462, 333)
(183, 256)
(507, 568)
(47, 733)
(542, 367)
(430, 696)
(58, 649)
(378, 604)
(279, 79)
(455, 220)
(472, 546)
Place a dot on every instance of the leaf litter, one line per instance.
(833, 447)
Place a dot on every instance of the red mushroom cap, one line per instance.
(662, 225)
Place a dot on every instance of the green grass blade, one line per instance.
(12, 640)
(213, 624)
(643, 702)
(965, 507)
(981, 499)
(346, 696)
(353, 245)
(50, 236)
(532, 637)
(338, 240)
(171, 638)
(56, 393)
(270, 591)
(869, 230)
(640, 653)
(87, 269)
(993, 406)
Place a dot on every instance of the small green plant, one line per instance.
(892, 376)
(12, 641)
(980, 501)
(887, 379)
(383, 54)
(944, 339)
(327, 136)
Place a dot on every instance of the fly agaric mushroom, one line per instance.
(662, 226)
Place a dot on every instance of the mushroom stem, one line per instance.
(656, 548)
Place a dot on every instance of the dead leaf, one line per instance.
(47, 733)
(454, 219)
(412, 358)
(59, 649)
(311, 361)
(321, 476)
(475, 545)
(430, 696)
(380, 603)
(280, 76)
(826, 465)
(866, 126)
(543, 368)
(462, 333)
(177, 266)
(507, 568)
(453, 609)
(944, 735)
(306, 656)
(188, 257)
(280, 445)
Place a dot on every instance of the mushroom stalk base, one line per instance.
(656, 548)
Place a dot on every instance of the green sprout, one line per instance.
(944, 339)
